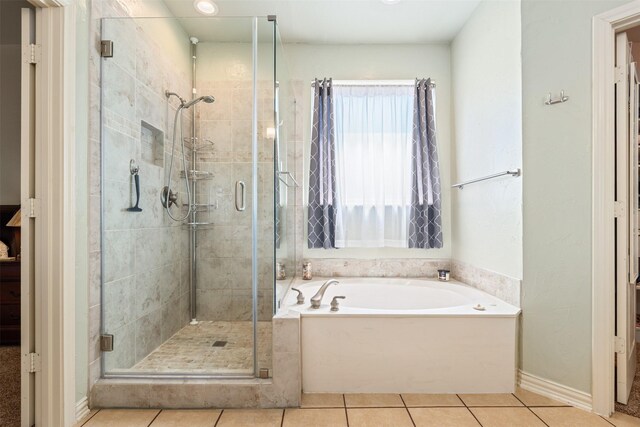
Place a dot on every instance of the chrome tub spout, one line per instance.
(316, 300)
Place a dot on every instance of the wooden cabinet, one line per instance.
(10, 303)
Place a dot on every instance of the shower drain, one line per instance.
(219, 344)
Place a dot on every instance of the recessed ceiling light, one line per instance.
(206, 7)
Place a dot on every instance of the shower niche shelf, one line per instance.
(152, 144)
(197, 175)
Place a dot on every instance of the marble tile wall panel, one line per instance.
(504, 287)
(145, 277)
(390, 267)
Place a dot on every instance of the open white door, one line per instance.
(626, 202)
(27, 192)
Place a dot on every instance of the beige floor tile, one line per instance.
(624, 420)
(321, 400)
(504, 399)
(416, 400)
(379, 417)
(328, 417)
(530, 398)
(122, 418)
(373, 400)
(443, 417)
(506, 417)
(86, 418)
(250, 417)
(187, 418)
(569, 417)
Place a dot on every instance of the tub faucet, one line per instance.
(316, 300)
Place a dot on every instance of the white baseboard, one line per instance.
(552, 390)
(82, 408)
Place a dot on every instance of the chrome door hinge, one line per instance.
(106, 48)
(31, 363)
(620, 74)
(32, 208)
(106, 342)
(32, 53)
(618, 209)
(620, 345)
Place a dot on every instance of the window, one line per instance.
(374, 179)
(373, 147)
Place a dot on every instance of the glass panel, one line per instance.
(177, 294)
(286, 179)
(265, 80)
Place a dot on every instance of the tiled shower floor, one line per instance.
(191, 350)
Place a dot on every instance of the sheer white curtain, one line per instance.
(374, 128)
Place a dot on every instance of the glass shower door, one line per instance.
(219, 251)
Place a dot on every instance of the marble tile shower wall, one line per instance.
(145, 295)
(224, 249)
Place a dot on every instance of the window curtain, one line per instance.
(322, 169)
(425, 222)
(374, 130)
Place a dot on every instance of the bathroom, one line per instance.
(227, 264)
(195, 297)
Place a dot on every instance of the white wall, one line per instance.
(487, 114)
(10, 64)
(556, 54)
(392, 62)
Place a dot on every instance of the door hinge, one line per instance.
(620, 345)
(106, 342)
(620, 74)
(32, 208)
(31, 363)
(32, 53)
(106, 48)
(618, 209)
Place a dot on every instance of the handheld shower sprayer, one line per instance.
(168, 197)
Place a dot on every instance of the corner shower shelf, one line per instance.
(198, 225)
(197, 175)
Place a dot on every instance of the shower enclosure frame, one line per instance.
(193, 216)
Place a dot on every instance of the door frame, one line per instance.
(54, 236)
(605, 26)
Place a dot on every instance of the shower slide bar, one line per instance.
(514, 173)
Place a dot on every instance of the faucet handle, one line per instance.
(300, 297)
(335, 306)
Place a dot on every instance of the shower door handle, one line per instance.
(241, 206)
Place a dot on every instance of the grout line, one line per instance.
(154, 418)
(470, 411)
(87, 420)
(407, 409)
(218, 419)
(606, 420)
(530, 410)
(282, 420)
(538, 416)
(346, 414)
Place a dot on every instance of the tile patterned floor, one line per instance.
(191, 350)
(521, 409)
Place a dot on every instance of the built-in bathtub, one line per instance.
(405, 335)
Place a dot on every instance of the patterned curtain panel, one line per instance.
(425, 222)
(322, 169)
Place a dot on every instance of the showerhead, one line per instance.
(207, 98)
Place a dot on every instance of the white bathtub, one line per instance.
(405, 335)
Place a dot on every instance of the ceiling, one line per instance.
(345, 21)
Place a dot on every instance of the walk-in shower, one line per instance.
(188, 282)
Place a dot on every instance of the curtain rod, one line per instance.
(374, 82)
